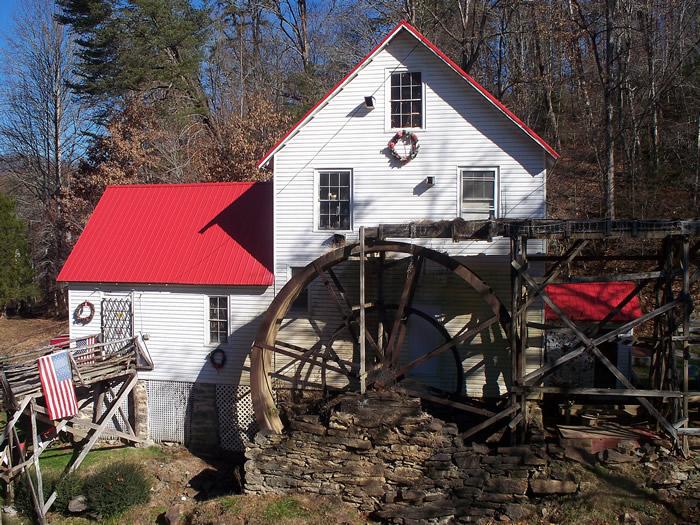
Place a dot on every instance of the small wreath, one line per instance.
(414, 145)
(217, 358)
(80, 316)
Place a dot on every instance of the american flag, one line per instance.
(57, 384)
(83, 354)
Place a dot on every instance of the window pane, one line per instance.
(395, 107)
(395, 91)
(323, 222)
(345, 193)
(406, 92)
(324, 179)
(416, 78)
(405, 78)
(416, 92)
(333, 210)
(406, 121)
(212, 302)
(395, 79)
(333, 179)
(405, 108)
(396, 121)
(324, 193)
(345, 223)
(344, 179)
(324, 208)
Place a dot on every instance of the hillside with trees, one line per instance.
(102, 92)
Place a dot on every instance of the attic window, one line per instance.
(406, 100)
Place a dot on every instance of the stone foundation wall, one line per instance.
(383, 454)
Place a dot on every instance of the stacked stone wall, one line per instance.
(386, 456)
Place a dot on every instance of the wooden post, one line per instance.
(363, 321)
(522, 352)
(685, 262)
(35, 453)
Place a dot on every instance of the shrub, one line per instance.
(67, 487)
(115, 488)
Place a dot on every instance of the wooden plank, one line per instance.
(416, 392)
(490, 421)
(612, 392)
(35, 457)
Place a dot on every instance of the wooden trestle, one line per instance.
(98, 369)
(671, 282)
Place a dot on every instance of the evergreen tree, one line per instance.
(16, 273)
(152, 48)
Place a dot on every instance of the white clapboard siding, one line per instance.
(461, 130)
(175, 319)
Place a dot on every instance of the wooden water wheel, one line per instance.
(370, 288)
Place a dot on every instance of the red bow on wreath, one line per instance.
(412, 137)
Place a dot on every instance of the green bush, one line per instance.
(66, 487)
(115, 488)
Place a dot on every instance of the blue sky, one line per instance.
(8, 8)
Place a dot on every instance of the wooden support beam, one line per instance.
(398, 330)
(490, 421)
(607, 392)
(687, 311)
(423, 394)
(534, 376)
(363, 321)
(113, 405)
(642, 400)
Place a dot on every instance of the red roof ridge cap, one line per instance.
(184, 184)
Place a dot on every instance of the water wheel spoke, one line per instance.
(304, 357)
(343, 294)
(464, 335)
(398, 331)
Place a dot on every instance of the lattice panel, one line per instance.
(169, 410)
(236, 417)
(116, 319)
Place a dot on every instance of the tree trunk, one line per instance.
(609, 100)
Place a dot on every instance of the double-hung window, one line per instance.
(218, 319)
(334, 199)
(406, 100)
(478, 193)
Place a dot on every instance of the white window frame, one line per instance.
(496, 187)
(317, 204)
(387, 100)
(207, 334)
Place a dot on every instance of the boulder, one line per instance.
(543, 487)
(77, 505)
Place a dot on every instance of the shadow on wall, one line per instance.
(219, 417)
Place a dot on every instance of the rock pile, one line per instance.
(383, 454)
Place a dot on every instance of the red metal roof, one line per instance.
(214, 233)
(592, 301)
(368, 57)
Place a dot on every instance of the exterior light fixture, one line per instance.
(430, 181)
(369, 102)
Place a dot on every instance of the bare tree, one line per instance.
(42, 134)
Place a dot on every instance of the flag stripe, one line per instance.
(61, 401)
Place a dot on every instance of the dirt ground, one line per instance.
(18, 334)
